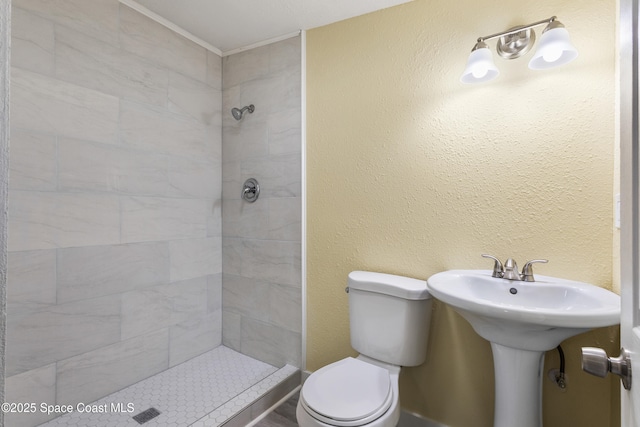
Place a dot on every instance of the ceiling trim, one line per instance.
(170, 25)
(262, 43)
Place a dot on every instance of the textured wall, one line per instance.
(411, 172)
(261, 240)
(115, 247)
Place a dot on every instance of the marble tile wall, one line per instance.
(115, 242)
(261, 247)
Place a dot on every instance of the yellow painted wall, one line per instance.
(411, 172)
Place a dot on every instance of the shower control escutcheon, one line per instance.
(250, 190)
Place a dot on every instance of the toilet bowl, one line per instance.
(351, 393)
(389, 318)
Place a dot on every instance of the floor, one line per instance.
(283, 416)
(203, 392)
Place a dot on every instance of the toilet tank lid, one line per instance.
(389, 284)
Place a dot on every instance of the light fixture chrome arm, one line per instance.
(517, 29)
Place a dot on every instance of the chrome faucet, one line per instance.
(510, 269)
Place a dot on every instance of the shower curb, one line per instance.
(254, 401)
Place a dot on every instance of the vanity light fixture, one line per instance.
(554, 49)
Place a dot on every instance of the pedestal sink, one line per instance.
(523, 320)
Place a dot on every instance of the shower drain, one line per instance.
(147, 415)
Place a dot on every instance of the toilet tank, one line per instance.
(389, 317)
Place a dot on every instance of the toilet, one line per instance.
(389, 318)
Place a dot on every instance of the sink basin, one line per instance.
(531, 315)
(522, 320)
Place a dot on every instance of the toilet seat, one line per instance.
(347, 393)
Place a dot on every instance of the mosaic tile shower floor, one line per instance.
(205, 391)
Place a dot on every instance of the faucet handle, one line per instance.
(498, 270)
(527, 270)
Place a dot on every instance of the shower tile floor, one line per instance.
(205, 391)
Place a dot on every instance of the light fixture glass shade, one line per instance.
(480, 67)
(554, 49)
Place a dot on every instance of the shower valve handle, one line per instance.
(250, 190)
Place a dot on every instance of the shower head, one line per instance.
(237, 112)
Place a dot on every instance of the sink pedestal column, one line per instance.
(518, 394)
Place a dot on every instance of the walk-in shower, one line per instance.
(237, 113)
(123, 281)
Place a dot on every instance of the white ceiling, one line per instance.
(230, 25)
